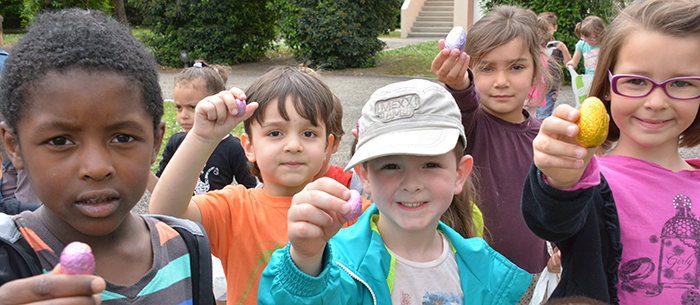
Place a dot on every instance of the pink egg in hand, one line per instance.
(77, 258)
(241, 107)
(456, 39)
(355, 202)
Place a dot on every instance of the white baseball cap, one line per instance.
(415, 117)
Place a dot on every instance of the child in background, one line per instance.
(3, 53)
(83, 119)
(227, 162)
(411, 156)
(286, 138)
(590, 31)
(649, 80)
(505, 58)
(559, 54)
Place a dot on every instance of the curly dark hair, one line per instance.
(70, 40)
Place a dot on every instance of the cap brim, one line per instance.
(422, 142)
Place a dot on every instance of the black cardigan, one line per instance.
(585, 227)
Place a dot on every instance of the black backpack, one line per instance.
(13, 248)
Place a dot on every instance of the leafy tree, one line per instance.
(336, 34)
(34, 7)
(221, 31)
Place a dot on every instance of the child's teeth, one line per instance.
(410, 205)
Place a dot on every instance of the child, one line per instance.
(574, 198)
(83, 111)
(410, 149)
(505, 58)
(590, 31)
(227, 162)
(286, 138)
(3, 53)
(558, 52)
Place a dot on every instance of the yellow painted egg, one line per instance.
(592, 123)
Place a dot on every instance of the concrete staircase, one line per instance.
(435, 19)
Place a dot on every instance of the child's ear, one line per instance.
(11, 143)
(248, 147)
(334, 147)
(158, 140)
(330, 145)
(364, 178)
(464, 168)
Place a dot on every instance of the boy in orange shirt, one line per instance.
(286, 141)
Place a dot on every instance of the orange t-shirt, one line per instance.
(245, 226)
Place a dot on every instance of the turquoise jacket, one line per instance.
(358, 269)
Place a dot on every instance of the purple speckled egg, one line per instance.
(77, 258)
(355, 202)
(241, 107)
(456, 39)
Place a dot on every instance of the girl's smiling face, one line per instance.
(87, 143)
(656, 120)
(412, 192)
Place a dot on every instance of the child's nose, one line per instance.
(656, 100)
(412, 182)
(95, 163)
(501, 79)
(293, 144)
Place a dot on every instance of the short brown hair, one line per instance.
(549, 17)
(675, 18)
(312, 99)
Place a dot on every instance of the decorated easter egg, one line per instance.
(77, 258)
(241, 107)
(456, 39)
(592, 123)
(355, 202)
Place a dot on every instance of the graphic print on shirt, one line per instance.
(265, 250)
(678, 259)
(204, 186)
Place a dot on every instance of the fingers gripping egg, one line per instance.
(355, 202)
(592, 123)
(456, 39)
(77, 258)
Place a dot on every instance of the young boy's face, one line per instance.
(87, 144)
(288, 152)
(412, 192)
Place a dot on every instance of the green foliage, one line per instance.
(218, 31)
(336, 34)
(11, 11)
(34, 7)
(569, 13)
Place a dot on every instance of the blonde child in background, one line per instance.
(648, 77)
(227, 163)
(411, 156)
(504, 53)
(83, 119)
(590, 31)
(286, 138)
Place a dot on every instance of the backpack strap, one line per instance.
(200, 256)
(17, 258)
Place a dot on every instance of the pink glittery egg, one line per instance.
(355, 202)
(456, 39)
(77, 258)
(241, 107)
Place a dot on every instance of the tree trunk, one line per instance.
(120, 12)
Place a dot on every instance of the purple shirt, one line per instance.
(502, 153)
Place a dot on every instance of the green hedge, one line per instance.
(35, 7)
(336, 34)
(218, 31)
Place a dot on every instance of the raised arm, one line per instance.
(450, 67)
(215, 116)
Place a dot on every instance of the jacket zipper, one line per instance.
(357, 278)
